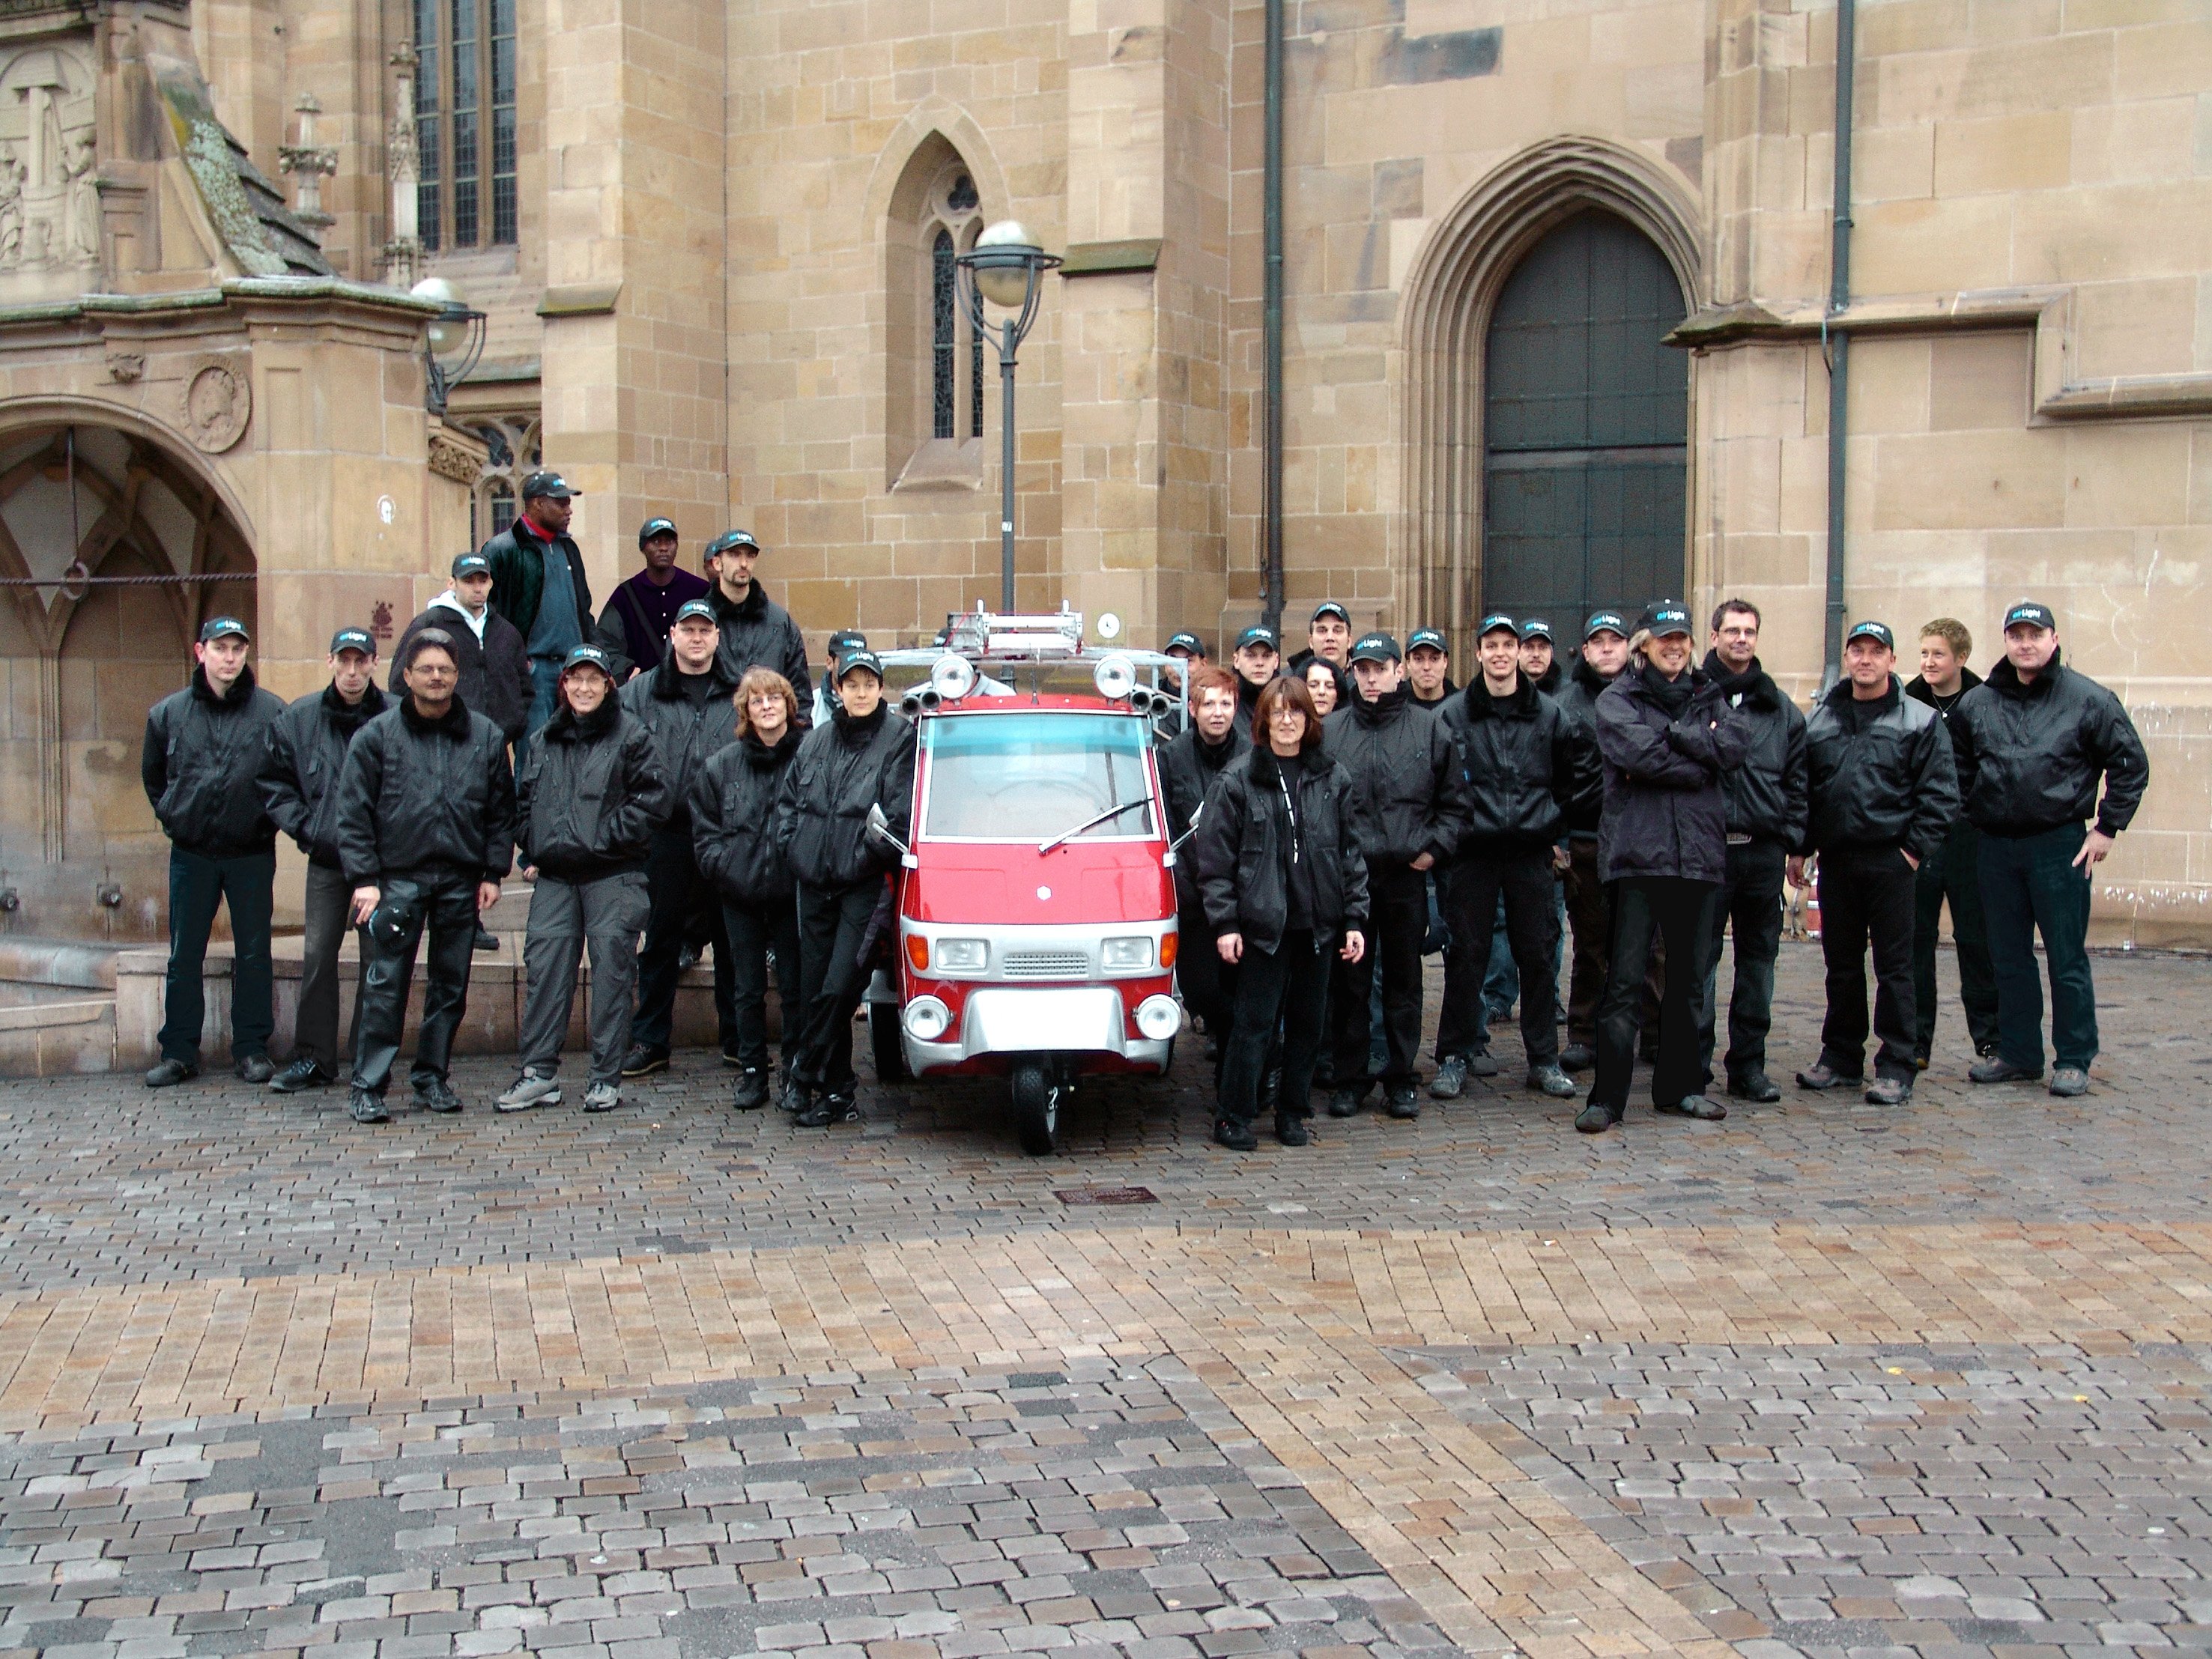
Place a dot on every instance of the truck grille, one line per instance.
(1046, 964)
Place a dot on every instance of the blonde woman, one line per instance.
(732, 818)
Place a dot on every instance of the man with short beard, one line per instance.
(426, 832)
(300, 788)
(1189, 765)
(755, 631)
(1765, 820)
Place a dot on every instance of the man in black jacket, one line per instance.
(1765, 821)
(755, 631)
(1882, 793)
(1526, 769)
(1604, 654)
(1952, 875)
(1328, 637)
(586, 801)
(633, 629)
(299, 790)
(539, 585)
(2033, 741)
(683, 702)
(1404, 783)
(494, 665)
(1258, 659)
(203, 752)
(1189, 766)
(863, 757)
(1428, 668)
(426, 832)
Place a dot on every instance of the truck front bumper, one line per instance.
(1067, 1019)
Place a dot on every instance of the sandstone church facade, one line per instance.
(1558, 328)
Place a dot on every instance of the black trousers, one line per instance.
(753, 931)
(1748, 905)
(1199, 971)
(446, 903)
(1397, 922)
(196, 885)
(1532, 928)
(1646, 909)
(1287, 987)
(832, 923)
(1867, 897)
(328, 912)
(1590, 913)
(1954, 875)
(2030, 886)
(680, 896)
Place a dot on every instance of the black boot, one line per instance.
(1291, 1129)
(1234, 1133)
(751, 1092)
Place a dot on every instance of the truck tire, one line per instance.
(1036, 1107)
(884, 1039)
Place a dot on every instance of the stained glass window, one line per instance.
(944, 338)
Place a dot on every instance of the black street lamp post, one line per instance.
(1004, 267)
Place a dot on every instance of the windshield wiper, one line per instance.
(1090, 823)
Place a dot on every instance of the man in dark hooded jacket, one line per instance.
(755, 631)
(299, 789)
(204, 750)
(1257, 659)
(1766, 820)
(539, 584)
(494, 664)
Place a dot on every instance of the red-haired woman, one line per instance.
(732, 822)
(1281, 870)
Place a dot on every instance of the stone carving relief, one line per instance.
(49, 215)
(216, 403)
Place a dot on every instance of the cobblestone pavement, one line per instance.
(1823, 1379)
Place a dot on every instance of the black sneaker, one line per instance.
(436, 1095)
(1825, 1076)
(814, 1114)
(1995, 1069)
(1754, 1085)
(301, 1073)
(167, 1073)
(367, 1107)
(794, 1095)
(687, 958)
(253, 1068)
(1404, 1102)
(644, 1061)
(1235, 1136)
(751, 1092)
(1596, 1119)
(1578, 1057)
(842, 1109)
(1450, 1081)
(1291, 1129)
(1704, 1107)
(486, 939)
(1482, 1065)
(1342, 1103)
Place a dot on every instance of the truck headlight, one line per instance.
(1134, 952)
(963, 956)
(927, 1019)
(1159, 1018)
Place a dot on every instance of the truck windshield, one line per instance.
(1027, 777)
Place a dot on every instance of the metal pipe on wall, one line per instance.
(1271, 439)
(1839, 341)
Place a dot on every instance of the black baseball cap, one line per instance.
(470, 564)
(1189, 642)
(1871, 630)
(354, 639)
(690, 608)
(1603, 622)
(1330, 607)
(1428, 636)
(1664, 616)
(547, 484)
(1375, 647)
(847, 639)
(216, 628)
(589, 656)
(652, 528)
(1258, 634)
(730, 538)
(862, 658)
(1537, 629)
(1498, 620)
(2031, 613)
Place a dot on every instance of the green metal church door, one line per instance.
(1585, 415)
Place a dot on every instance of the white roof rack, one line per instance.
(980, 633)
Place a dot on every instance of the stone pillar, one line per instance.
(636, 352)
(1145, 494)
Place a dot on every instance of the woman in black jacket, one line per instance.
(1666, 734)
(863, 757)
(588, 799)
(1279, 867)
(733, 831)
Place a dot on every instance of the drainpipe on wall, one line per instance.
(1271, 439)
(1839, 342)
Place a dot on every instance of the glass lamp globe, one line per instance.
(448, 333)
(1005, 285)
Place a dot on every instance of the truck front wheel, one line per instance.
(1037, 1106)
(884, 1039)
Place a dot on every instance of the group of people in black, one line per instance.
(1339, 801)
(672, 781)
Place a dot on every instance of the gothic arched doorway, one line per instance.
(1585, 416)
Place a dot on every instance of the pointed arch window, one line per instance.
(934, 357)
(464, 121)
(945, 337)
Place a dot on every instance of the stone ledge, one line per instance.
(1111, 258)
(581, 300)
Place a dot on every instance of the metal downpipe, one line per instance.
(1837, 341)
(1271, 429)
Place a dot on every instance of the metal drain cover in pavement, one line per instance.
(1105, 1195)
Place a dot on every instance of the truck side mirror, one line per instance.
(1196, 812)
(879, 831)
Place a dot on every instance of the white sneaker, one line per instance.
(530, 1089)
(601, 1097)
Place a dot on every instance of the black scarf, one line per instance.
(1855, 714)
(1673, 696)
(1548, 682)
(856, 731)
(239, 694)
(2004, 679)
(567, 726)
(1733, 685)
(1588, 677)
(765, 755)
(1214, 756)
(751, 608)
(349, 717)
(1381, 710)
(453, 723)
